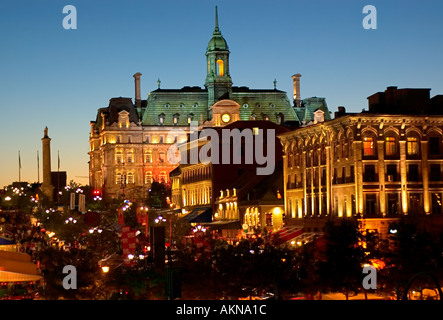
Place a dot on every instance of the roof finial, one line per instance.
(158, 83)
(216, 20)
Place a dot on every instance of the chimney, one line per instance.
(296, 82)
(138, 100)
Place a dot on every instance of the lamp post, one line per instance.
(105, 270)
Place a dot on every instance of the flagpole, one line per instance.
(58, 174)
(38, 168)
(19, 167)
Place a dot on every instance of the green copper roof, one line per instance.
(217, 41)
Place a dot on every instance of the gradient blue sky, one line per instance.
(58, 78)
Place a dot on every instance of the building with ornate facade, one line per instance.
(230, 195)
(377, 165)
(129, 140)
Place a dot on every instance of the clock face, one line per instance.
(226, 117)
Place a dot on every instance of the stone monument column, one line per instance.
(47, 187)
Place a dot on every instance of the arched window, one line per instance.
(368, 146)
(130, 156)
(118, 157)
(390, 146)
(220, 69)
(161, 156)
(412, 146)
(148, 177)
(148, 156)
(130, 177)
(163, 177)
(118, 178)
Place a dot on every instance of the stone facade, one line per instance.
(129, 140)
(368, 165)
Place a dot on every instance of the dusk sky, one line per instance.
(58, 78)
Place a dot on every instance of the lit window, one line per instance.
(162, 177)
(118, 178)
(255, 131)
(118, 157)
(390, 146)
(148, 156)
(130, 157)
(412, 145)
(368, 146)
(130, 177)
(148, 177)
(161, 118)
(161, 156)
(220, 71)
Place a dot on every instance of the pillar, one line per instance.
(403, 178)
(47, 187)
(381, 176)
(425, 177)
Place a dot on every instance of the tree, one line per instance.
(342, 269)
(159, 193)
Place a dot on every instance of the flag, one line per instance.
(72, 202)
(81, 203)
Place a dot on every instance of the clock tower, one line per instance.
(218, 80)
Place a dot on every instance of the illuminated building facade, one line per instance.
(376, 165)
(129, 140)
(225, 196)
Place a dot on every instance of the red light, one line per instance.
(96, 192)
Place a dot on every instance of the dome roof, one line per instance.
(217, 42)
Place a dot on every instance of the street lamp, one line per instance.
(105, 270)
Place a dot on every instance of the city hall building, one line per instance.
(129, 140)
(376, 165)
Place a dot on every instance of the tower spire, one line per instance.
(216, 21)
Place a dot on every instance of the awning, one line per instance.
(287, 234)
(4, 241)
(6, 276)
(17, 266)
(198, 215)
(224, 225)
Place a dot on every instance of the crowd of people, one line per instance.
(20, 231)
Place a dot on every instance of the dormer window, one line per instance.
(195, 105)
(272, 106)
(245, 105)
(181, 105)
(167, 105)
(175, 118)
(123, 119)
(190, 116)
(319, 116)
(161, 118)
